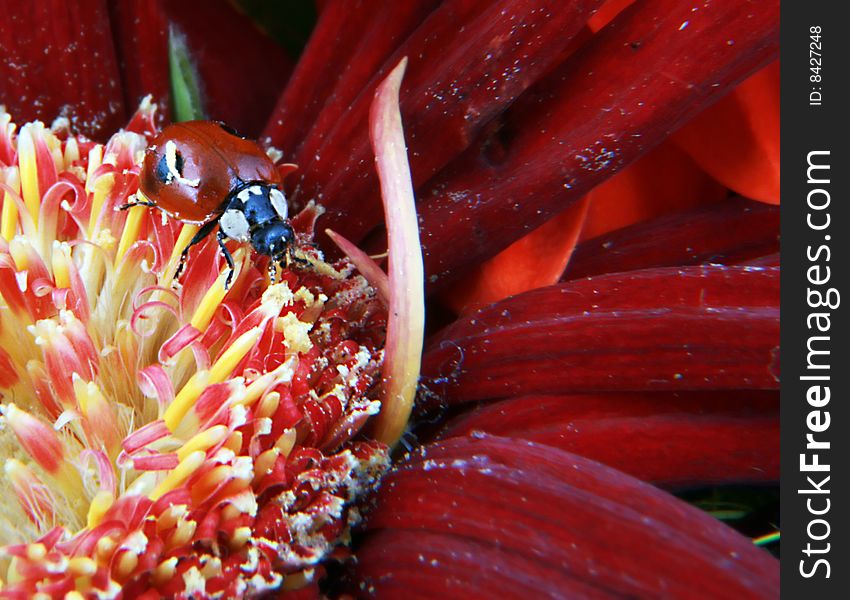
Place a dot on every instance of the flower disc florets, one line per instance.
(194, 442)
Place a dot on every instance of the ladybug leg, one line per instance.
(137, 202)
(290, 257)
(220, 236)
(203, 232)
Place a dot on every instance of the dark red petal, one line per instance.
(654, 67)
(455, 84)
(544, 521)
(674, 440)
(691, 328)
(737, 140)
(350, 43)
(242, 70)
(141, 40)
(58, 59)
(727, 233)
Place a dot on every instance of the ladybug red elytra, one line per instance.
(202, 172)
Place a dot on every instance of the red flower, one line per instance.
(641, 332)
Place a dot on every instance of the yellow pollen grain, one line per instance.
(101, 503)
(130, 233)
(203, 441)
(74, 595)
(29, 168)
(9, 216)
(295, 332)
(101, 187)
(181, 473)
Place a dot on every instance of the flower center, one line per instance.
(195, 441)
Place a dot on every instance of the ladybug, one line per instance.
(204, 173)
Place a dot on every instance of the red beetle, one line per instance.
(202, 172)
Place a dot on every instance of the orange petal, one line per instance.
(536, 260)
(606, 13)
(664, 181)
(736, 141)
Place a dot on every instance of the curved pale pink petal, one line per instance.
(406, 319)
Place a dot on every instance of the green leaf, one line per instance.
(185, 82)
(288, 22)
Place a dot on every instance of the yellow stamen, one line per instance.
(185, 399)
(286, 442)
(102, 186)
(268, 405)
(72, 153)
(203, 441)
(36, 551)
(181, 473)
(101, 503)
(240, 537)
(18, 248)
(29, 168)
(95, 160)
(265, 462)
(9, 217)
(164, 571)
(61, 258)
(99, 414)
(210, 302)
(234, 442)
(126, 564)
(187, 232)
(130, 234)
(182, 534)
(82, 566)
(104, 549)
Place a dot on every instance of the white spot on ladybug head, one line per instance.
(174, 173)
(234, 225)
(278, 201)
(251, 190)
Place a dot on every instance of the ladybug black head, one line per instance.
(272, 239)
